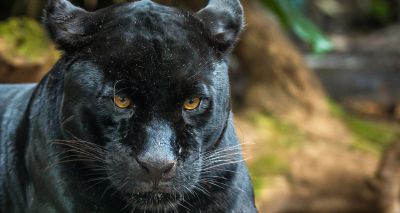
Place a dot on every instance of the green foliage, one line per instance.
(292, 18)
(381, 10)
(23, 38)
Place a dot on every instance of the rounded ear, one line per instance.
(69, 26)
(225, 21)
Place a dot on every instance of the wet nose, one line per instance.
(157, 169)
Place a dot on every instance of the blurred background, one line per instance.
(316, 89)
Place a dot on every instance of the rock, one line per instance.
(25, 52)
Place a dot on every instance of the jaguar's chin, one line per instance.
(154, 201)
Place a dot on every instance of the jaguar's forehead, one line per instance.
(143, 41)
(146, 17)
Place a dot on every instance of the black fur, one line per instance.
(65, 146)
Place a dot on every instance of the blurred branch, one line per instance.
(387, 182)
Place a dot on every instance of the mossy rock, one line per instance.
(23, 40)
(26, 53)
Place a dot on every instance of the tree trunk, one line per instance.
(387, 184)
(280, 82)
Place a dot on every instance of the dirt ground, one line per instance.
(321, 177)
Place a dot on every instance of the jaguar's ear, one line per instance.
(69, 26)
(225, 21)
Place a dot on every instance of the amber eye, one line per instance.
(192, 104)
(122, 102)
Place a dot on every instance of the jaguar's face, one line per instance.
(146, 96)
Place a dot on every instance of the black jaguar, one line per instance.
(135, 116)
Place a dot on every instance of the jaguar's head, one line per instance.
(146, 92)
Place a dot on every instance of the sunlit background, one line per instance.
(316, 90)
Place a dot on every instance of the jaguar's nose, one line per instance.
(157, 169)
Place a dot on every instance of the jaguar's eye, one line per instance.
(192, 104)
(122, 102)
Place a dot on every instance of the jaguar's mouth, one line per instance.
(154, 200)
